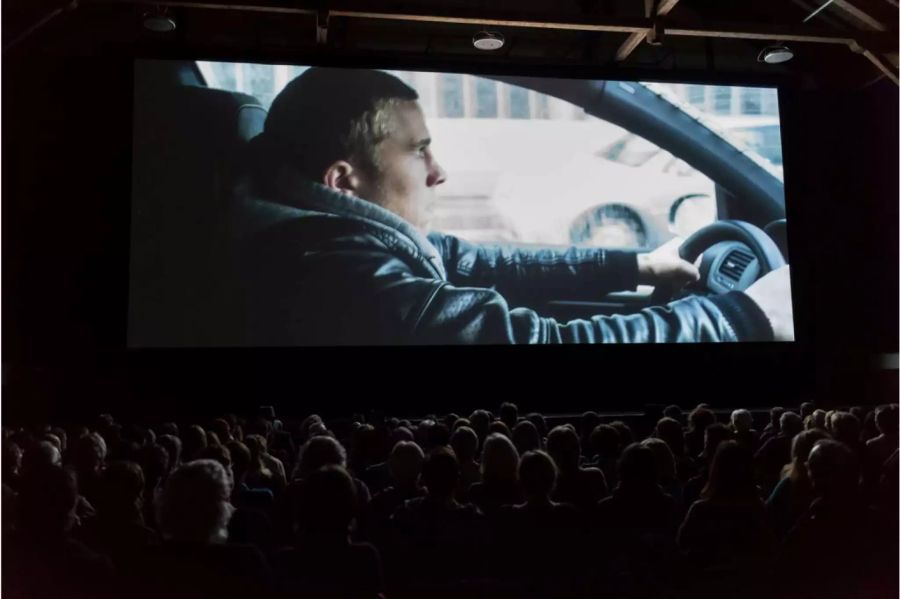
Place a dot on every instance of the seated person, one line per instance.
(846, 428)
(323, 560)
(727, 530)
(671, 432)
(118, 530)
(774, 425)
(251, 522)
(538, 539)
(636, 524)
(405, 463)
(793, 494)
(694, 437)
(579, 486)
(742, 427)
(606, 446)
(525, 437)
(437, 543)
(243, 495)
(194, 559)
(499, 484)
(265, 471)
(320, 450)
(464, 442)
(40, 558)
(879, 449)
(775, 453)
(840, 547)
(667, 473)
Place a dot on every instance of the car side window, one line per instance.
(528, 168)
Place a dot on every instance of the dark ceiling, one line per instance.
(272, 27)
(279, 28)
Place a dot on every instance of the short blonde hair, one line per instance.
(369, 130)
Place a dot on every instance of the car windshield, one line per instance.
(529, 168)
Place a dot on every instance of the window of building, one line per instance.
(696, 95)
(751, 101)
(722, 100)
(451, 95)
(485, 98)
(541, 105)
(518, 103)
(769, 102)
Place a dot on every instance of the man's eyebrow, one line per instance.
(423, 142)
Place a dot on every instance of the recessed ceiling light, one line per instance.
(488, 40)
(158, 22)
(776, 54)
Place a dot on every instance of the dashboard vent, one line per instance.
(735, 263)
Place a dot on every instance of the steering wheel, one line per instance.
(761, 245)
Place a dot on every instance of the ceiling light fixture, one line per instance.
(488, 40)
(777, 54)
(158, 21)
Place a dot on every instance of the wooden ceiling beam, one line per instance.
(859, 15)
(634, 40)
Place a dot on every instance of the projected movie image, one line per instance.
(281, 205)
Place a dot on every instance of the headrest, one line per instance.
(214, 121)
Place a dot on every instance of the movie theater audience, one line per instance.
(461, 507)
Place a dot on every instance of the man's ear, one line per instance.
(342, 177)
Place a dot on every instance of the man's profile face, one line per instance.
(408, 176)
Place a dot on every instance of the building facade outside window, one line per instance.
(518, 103)
(451, 95)
(722, 100)
(750, 101)
(485, 98)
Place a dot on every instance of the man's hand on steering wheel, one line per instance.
(663, 266)
(771, 291)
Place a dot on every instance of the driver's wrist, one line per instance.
(646, 274)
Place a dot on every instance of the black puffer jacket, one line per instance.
(322, 268)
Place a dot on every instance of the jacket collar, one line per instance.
(296, 191)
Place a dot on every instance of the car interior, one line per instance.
(195, 139)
